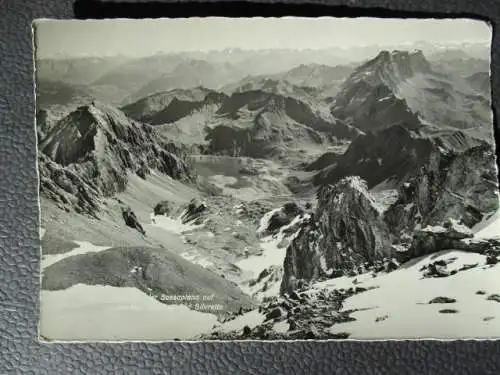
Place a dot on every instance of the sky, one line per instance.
(146, 37)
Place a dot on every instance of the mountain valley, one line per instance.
(329, 199)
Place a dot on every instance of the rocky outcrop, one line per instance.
(131, 220)
(432, 239)
(458, 185)
(194, 212)
(299, 315)
(346, 232)
(282, 217)
(92, 151)
(348, 213)
(163, 208)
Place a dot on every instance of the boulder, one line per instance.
(142, 172)
(246, 330)
(442, 300)
(131, 220)
(433, 239)
(194, 211)
(275, 313)
(292, 209)
(448, 311)
(163, 208)
(494, 297)
(311, 334)
(278, 220)
(492, 259)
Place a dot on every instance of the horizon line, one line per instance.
(455, 43)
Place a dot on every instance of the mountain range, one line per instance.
(273, 183)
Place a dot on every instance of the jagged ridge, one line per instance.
(88, 154)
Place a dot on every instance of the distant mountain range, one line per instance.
(261, 177)
(390, 114)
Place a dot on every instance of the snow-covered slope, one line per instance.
(399, 307)
(106, 313)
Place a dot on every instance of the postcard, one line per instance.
(266, 179)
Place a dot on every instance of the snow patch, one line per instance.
(105, 313)
(272, 255)
(195, 258)
(173, 225)
(384, 99)
(251, 319)
(281, 327)
(434, 229)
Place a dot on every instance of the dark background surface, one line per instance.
(20, 352)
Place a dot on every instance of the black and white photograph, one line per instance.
(266, 179)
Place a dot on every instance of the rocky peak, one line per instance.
(369, 98)
(396, 66)
(346, 232)
(87, 129)
(92, 150)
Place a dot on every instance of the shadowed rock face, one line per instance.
(392, 153)
(371, 108)
(43, 123)
(346, 231)
(395, 153)
(88, 154)
(148, 107)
